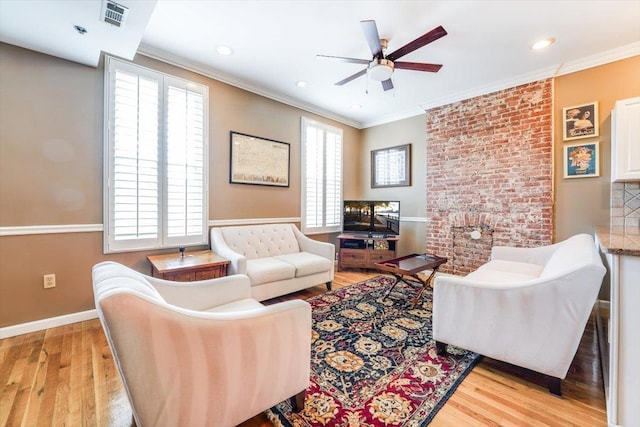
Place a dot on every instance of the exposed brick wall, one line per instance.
(489, 165)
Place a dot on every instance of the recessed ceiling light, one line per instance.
(301, 83)
(80, 30)
(541, 44)
(224, 50)
(356, 106)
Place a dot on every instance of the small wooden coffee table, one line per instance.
(411, 265)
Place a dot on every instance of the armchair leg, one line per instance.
(329, 286)
(297, 402)
(554, 385)
(441, 348)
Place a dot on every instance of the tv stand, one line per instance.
(363, 251)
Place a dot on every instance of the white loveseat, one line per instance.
(278, 258)
(526, 306)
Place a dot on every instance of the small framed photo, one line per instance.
(582, 160)
(391, 167)
(580, 121)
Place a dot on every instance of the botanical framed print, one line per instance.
(582, 160)
(580, 121)
(258, 161)
(391, 167)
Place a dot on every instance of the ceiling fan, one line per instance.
(381, 67)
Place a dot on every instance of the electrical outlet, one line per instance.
(49, 281)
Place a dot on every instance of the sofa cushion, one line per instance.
(269, 269)
(260, 241)
(501, 271)
(306, 263)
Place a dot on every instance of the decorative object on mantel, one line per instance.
(580, 121)
(582, 160)
(373, 360)
(391, 167)
(258, 161)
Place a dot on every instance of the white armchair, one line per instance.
(527, 306)
(201, 353)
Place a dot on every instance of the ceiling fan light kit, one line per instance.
(381, 67)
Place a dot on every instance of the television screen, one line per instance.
(371, 217)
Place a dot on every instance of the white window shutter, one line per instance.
(134, 188)
(185, 159)
(321, 177)
(156, 159)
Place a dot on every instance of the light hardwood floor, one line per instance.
(66, 376)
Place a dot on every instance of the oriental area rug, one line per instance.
(374, 362)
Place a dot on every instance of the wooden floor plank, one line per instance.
(67, 376)
(88, 379)
(27, 364)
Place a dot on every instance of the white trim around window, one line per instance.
(155, 159)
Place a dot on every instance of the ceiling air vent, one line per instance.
(114, 13)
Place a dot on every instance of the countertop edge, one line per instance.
(616, 241)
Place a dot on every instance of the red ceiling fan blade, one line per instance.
(387, 84)
(343, 59)
(353, 77)
(417, 66)
(423, 40)
(370, 31)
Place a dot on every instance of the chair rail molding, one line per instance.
(23, 230)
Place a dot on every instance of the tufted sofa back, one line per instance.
(261, 241)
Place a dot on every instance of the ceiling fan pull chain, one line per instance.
(366, 89)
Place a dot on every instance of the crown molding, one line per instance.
(612, 55)
(412, 112)
(602, 58)
(163, 56)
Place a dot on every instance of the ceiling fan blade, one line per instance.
(370, 31)
(353, 77)
(343, 59)
(423, 40)
(417, 66)
(387, 84)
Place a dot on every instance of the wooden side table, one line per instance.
(198, 265)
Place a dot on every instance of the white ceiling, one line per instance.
(275, 44)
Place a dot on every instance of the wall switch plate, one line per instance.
(49, 281)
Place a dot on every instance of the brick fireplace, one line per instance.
(489, 168)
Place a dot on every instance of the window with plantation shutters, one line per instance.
(155, 159)
(321, 177)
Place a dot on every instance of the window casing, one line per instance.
(156, 159)
(321, 184)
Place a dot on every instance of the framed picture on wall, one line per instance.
(582, 160)
(580, 121)
(258, 161)
(391, 167)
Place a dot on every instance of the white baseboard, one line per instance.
(52, 322)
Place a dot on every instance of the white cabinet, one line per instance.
(625, 140)
(623, 392)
